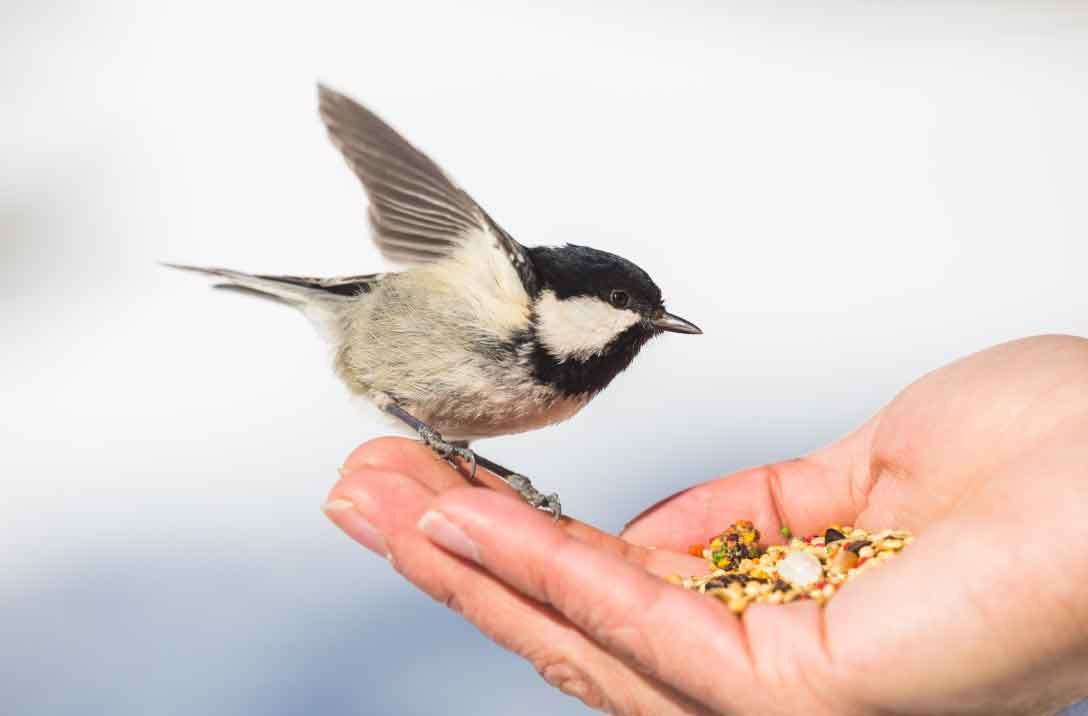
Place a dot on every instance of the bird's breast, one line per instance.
(498, 411)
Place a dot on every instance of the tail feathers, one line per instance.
(289, 289)
(318, 298)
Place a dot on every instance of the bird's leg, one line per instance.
(451, 449)
(430, 437)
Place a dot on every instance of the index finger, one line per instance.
(647, 622)
(420, 463)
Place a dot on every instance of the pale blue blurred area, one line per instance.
(843, 198)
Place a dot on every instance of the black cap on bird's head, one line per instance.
(593, 313)
(573, 271)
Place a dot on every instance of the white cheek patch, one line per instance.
(580, 327)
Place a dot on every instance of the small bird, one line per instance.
(479, 336)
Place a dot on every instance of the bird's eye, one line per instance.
(619, 299)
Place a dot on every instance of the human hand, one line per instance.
(984, 460)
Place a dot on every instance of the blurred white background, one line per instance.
(842, 197)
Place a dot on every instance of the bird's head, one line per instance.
(595, 310)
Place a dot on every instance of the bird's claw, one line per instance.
(447, 450)
(521, 484)
(545, 503)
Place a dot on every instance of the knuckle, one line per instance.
(453, 603)
(449, 598)
(561, 673)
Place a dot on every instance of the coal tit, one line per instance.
(480, 336)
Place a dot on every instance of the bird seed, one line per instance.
(816, 567)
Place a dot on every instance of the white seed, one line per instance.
(800, 569)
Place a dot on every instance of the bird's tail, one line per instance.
(319, 298)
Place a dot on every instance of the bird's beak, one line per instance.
(675, 324)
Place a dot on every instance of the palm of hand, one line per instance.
(983, 460)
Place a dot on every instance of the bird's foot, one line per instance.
(450, 451)
(544, 503)
(447, 450)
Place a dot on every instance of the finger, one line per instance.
(390, 505)
(411, 457)
(805, 494)
(660, 629)
(408, 457)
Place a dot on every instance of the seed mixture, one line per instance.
(814, 568)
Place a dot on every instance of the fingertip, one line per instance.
(384, 452)
(349, 511)
(352, 488)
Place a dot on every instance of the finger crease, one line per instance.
(774, 491)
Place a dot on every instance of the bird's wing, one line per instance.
(417, 213)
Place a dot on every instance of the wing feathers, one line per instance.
(401, 181)
(417, 213)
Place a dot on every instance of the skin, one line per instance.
(985, 460)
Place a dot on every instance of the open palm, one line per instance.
(985, 460)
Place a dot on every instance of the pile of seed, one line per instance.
(807, 568)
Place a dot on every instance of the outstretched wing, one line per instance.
(417, 212)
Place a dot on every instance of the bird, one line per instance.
(478, 336)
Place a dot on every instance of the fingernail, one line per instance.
(448, 536)
(345, 516)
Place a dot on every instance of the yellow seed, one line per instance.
(843, 560)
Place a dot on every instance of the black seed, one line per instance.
(833, 535)
(856, 547)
